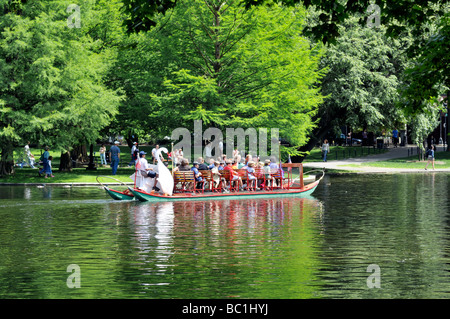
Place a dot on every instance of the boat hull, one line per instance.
(118, 195)
(156, 197)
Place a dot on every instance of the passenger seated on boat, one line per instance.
(251, 175)
(211, 163)
(201, 164)
(267, 171)
(145, 170)
(197, 175)
(221, 166)
(217, 177)
(184, 167)
(234, 175)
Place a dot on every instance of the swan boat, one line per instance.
(289, 191)
(142, 190)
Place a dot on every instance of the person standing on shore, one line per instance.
(114, 155)
(29, 158)
(325, 149)
(395, 137)
(134, 154)
(45, 158)
(102, 152)
(430, 156)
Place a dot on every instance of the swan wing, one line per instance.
(165, 178)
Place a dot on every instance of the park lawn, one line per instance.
(342, 152)
(125, 154)
(78, 175)
(442, 160)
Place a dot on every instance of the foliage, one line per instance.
(423, 124)
(52, 77)
(364, 73)
(225, 65)
(397, 17)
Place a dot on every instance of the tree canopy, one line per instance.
(226, 66)
(52, 77)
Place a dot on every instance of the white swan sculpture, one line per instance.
(165, 178)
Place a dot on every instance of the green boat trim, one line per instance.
(115, 194)
(118, 195)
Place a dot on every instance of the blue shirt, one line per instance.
(196, 172)
(395, 133)
(115, 151)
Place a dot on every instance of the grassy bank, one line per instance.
(442, 160)
(341, 152)
(78, 175)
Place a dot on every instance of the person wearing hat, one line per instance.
(145, 170)
(114, 155)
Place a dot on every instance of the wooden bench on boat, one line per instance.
(280, 178)
(184, 182)
(207, 179)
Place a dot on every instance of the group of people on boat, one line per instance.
(251, 165)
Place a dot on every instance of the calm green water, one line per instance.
(278, 248)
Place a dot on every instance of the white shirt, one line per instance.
(144, 164)
(133, 149)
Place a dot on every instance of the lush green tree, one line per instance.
(364, 74)
(225, 65)
(398, 17)
(52, 76)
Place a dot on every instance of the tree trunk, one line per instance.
(7, 161)
(79, 153)
(65, 164)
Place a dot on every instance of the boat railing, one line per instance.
(105, 185)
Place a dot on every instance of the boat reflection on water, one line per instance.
(165, 219)
(197, 245)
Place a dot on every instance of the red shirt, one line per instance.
(229, 168)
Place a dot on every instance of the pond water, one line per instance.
(318, 247)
